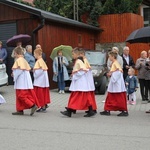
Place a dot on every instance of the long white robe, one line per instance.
(41, 78)
(116, 83)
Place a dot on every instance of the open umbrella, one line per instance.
(24, 38)
(141, 35)
(67, 52)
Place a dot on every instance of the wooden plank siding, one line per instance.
(11, 14)
(117, 27)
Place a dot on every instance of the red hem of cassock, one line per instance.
(43, 95)
(81, 100)
(25, 99)
(116, 102)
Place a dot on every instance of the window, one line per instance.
(146, 15)
(79, 40)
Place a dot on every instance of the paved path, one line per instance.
(52, 131)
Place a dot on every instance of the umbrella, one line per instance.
(141, 35)
(24, 38)
(67, 52)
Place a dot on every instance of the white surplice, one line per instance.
(116, 83)
(41, 78)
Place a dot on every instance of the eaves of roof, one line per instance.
(48, 15)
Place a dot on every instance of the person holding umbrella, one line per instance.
(18, 44)
(60, 71)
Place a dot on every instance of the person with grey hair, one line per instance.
(140, 66)
(128, 61)
(30, 59)
(119, 58)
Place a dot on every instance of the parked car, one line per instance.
(3, 75)
(98, 62)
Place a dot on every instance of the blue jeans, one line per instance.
(61, 82)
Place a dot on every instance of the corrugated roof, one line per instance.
(48, 15)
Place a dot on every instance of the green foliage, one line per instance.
(43, 4)
(94, 8)
(121, 6)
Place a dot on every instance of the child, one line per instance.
(90, 79)
(132, 85)
(116, 96)
(41, 81)
(80, 98)
(25, 95)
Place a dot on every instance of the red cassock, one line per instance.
(43, 95)
(25, 99)
(116, 102)
(82, 100)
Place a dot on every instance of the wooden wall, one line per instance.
(117, 27)
(54, 34)
(11, 14)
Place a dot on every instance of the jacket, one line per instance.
(64, 68)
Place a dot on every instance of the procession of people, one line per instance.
(31, 81)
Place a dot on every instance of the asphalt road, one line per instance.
(52, 131)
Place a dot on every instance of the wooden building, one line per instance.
(47, 29)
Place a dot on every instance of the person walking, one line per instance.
(140, 66)
(80, 97)
(127, 61)
(131, 83)
(41, 81)
(90, 79)
(3, 54)
(25, 95)
(119, 58)
(30, 59)
(60, 71)
(116, 97)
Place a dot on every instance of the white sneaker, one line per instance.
(60, 92)
(63, 91)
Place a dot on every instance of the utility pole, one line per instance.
(75, 8)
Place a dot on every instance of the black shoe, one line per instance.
(90, 114)
(123, 114)
(106, 113)
(66, 113)
(73, 111)
(95, 111)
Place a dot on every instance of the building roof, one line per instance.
(146, 2)
(48, 15)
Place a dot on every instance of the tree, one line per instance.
(94, 8)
